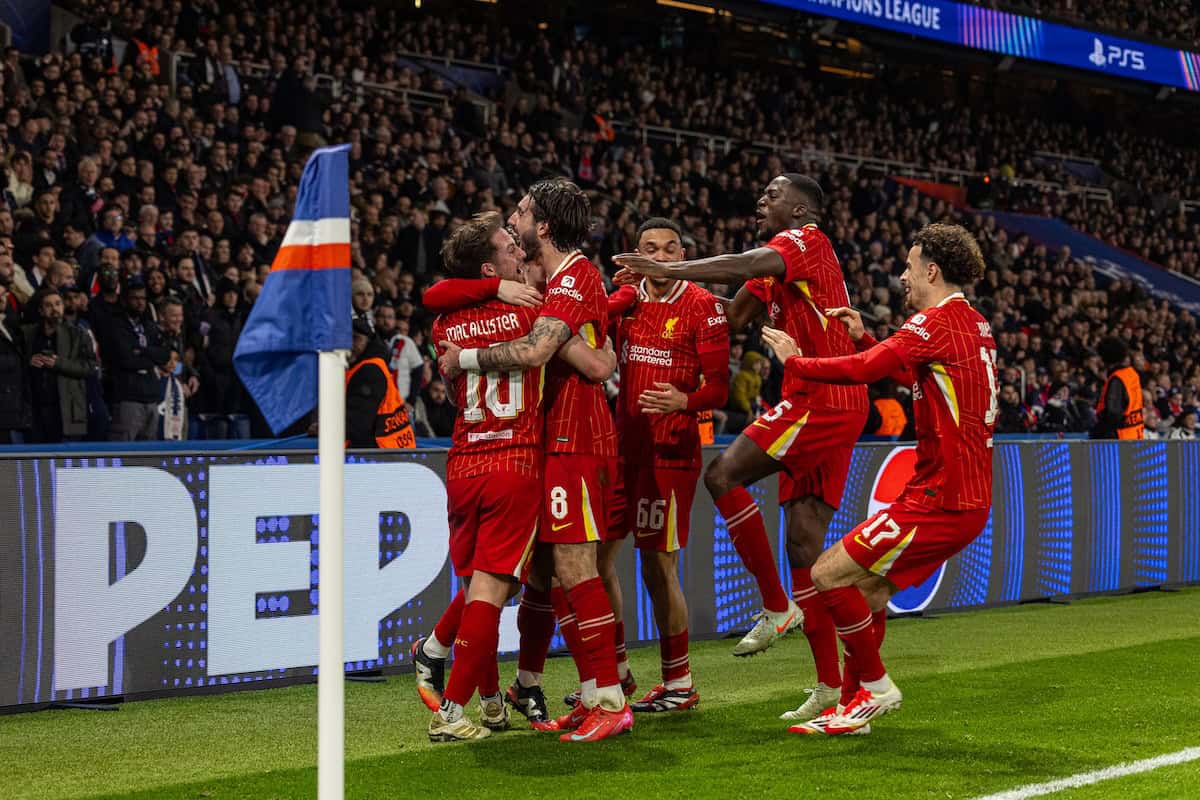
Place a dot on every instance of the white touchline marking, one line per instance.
(1088, 778)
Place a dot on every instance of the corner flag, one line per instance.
(305, 305)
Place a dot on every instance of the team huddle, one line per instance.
(544, 489)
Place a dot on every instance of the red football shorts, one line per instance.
(576, 498)
(658, 505)
(906, 543)
(814, 445)
(493, 522)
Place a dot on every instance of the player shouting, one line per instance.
(947, 351)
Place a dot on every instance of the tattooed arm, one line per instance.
(532, 350)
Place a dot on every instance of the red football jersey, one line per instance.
(950, 350)
(577, 415)
(662, 342)
(499, 426)
(812, 283)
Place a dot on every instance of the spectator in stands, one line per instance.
(1014, 416)
(60, 359)
(434, 414)
(362, 301)
(15, 410)
(19, 191)
(1061, 414)
(223, 388)
(744, 390)
(138, 360)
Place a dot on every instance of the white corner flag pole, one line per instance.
(331, 699)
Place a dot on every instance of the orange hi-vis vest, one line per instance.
(392, 426)
(892, 415)
(1131, 426)
(705, 422)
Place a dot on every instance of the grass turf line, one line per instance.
(986, 710)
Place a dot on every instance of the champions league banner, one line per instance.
(1016, 35)
(155, 574)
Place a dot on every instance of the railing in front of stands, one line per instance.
(725, 145)
(327, 84)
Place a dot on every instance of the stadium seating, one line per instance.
(466, 116)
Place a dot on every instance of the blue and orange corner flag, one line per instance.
(304, 308)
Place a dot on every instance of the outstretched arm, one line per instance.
(728, 268)
(866, 367)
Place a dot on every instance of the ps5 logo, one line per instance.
(1103, 55)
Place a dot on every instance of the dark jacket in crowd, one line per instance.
(137, 350)
(75, 364)
(15, 411)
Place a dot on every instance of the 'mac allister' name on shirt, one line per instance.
(500, 424)
(508, 324)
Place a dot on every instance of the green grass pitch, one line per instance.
(993, 700)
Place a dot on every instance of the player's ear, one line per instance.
(488, 270)
(543, 229)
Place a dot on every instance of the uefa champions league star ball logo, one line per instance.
(894, 474)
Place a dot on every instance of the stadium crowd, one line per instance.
(139, 224)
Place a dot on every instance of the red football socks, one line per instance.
(569, 627)
(594, 615)
(674, 652)
(474, 647)
(749, 537)
(855, 627)
(447, 627)
(818, 627)
(535, 622)
(619, 638)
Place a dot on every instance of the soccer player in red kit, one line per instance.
(947, 351)
(810, 434)
(552, 221)
(493, 477)
(673, 352)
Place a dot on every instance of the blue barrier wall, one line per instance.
(149, 573)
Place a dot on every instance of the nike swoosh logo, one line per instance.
(575, 737)
(560, 527)
(589, 638)
(643, 534)
(786, 622)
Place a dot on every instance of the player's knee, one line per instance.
(802, 553)
(877, 592)
(717, 479)
(823, 576)
(574, 564)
